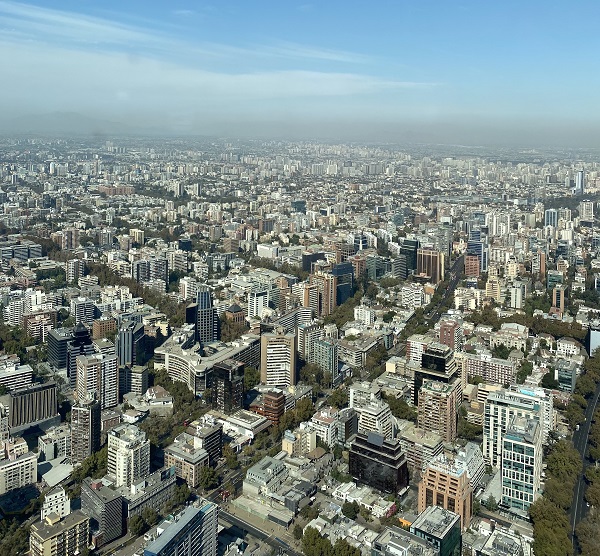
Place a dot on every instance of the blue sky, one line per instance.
(478, 71)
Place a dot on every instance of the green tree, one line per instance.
(298, 532)
(150, 516)
(208, 478)
(137, 526)
(350, 510)
(251, 378)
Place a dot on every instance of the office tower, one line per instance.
(210, 437)
(479, 249)
(472, 266)
(228, 385)
(278, 359)
(445, 483)
(192, 532)
(451, 334)
(551, 218)
(430, 265)
(75, 269)
(81, 344)
(33, 405)
(399, 267)
(326, 285)
(104, 506)
(344, 275)
(521, 465)
(103, 327)
(394, 541)
(307, 335)
(60, 537)
(138, 236)
(437, 406)
(133, 380)
(437, 363)
(378, 462)
(129, 344)
(324, 354)
(580, 182)
(188, 288)
(56, 502)
(409, 250)
(85, 429)
(207, 323)
(128, 455)
(441, 529)
(98, 375)
(500, 407)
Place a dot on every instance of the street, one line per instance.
(580, 441)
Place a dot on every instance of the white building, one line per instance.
(56, 502)
(128, 455)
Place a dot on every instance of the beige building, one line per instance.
(56, 537)
(436, 410)
(278, 359)
(128, 455)
(299, 442)
(188, 457)
(446, 484)
(18, 466)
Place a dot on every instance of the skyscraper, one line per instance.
(192, 532)
(81, 344)
(98, 374)
(580, 183)
(129, 344)
(207, 321)
(128, 455)
(278, 359)
(85, 429)
(228, 385)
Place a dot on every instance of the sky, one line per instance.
(476, 72)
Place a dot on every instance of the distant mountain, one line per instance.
(63, 123)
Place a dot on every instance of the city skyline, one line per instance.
(468, 73)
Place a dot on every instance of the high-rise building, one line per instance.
(60, 537)
(378, 462)
(188, 458)
(228, 385)
(81, 344)
(128, 455)
(430, 264)
(58, 340)
(324, 354)
(56, 502)
(192, 532)
(326, 285)
(129, 344)
(441, 529)
(278, 359)
(551, 218)
(437, 405)
(580, 182)
(98, 375)
(445, 483)
(18, 466)
(75, 269)
(82, 310)
(437, 363)
(133, 379)
(500, 407)
(105, 508)
(521, 465)
(451, 333)
(207, 323)
(85, 429)
(33, 405)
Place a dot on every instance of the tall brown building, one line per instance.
(430, 263)
(436, 411)
(446, 484)
(472, 266)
